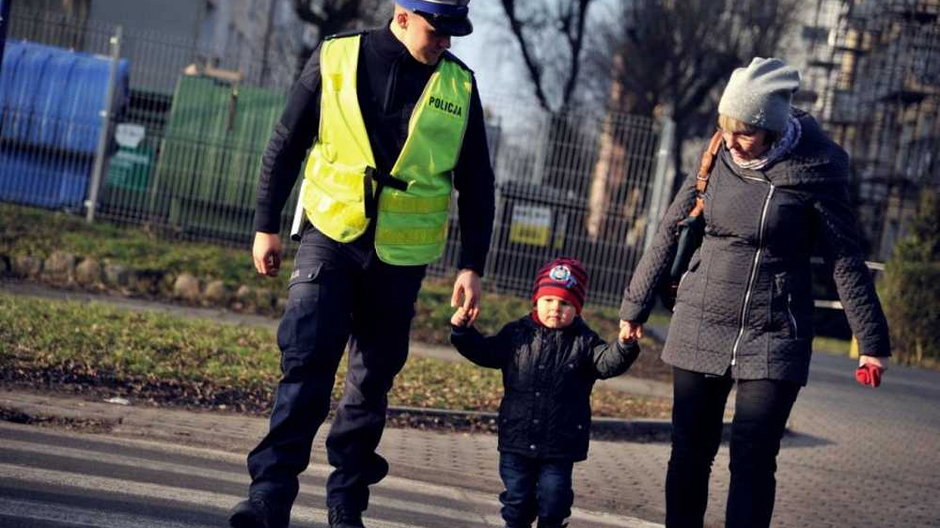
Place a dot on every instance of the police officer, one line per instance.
(395, 121)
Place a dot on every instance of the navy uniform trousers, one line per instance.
(338, 295)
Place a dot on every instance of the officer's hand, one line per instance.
(266, 253)
(467, 294)
(630, 331)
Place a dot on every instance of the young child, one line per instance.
(550, 360)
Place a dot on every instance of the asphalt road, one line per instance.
(860, 456)
(854, 456)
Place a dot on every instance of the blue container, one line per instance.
(51, 101)
(23, 69)
(35, 178)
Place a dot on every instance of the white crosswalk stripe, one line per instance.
(96, 469)
(240, 478)
(80, 517)
(150, 491)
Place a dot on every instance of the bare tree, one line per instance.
(537, 26)
(677, 53)
(672, 57)
(334, 16)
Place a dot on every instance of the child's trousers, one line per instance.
(535, 489)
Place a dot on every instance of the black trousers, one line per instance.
(761, 411)
(335, 299)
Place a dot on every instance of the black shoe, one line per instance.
(256, 513)
(343, 517)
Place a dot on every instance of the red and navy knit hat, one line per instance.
(563, 277)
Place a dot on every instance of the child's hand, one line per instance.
(461, 317)
(630, 331)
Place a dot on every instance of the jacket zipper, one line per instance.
(796, 330)
(750, 282)
(762, 180)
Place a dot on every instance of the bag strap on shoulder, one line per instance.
(704, 171)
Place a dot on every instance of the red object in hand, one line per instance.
(868, 374)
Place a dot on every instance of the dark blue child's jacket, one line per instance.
(548, 375)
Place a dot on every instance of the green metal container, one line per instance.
(207, 172)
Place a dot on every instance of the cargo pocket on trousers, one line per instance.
(302, 282)
(299, 323)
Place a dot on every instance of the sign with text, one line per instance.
(531, 225)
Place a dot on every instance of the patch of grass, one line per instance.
(124, 343)
(175, 361)
(25, 230)
(29, 231)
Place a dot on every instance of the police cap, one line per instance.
(445, 16)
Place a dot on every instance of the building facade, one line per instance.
(876, 89)
(259, 39)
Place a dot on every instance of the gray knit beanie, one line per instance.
(760, 94)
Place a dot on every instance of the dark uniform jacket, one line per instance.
(746, 301)
(548, 375)
(390, 82)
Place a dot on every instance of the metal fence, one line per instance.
(178, 147)
(580, 184)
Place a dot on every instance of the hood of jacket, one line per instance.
(815, 160)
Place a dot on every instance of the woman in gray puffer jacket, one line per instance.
(743, 314)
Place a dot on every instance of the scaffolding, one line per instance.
(880, 98)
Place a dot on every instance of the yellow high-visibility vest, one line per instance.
(340, 181)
